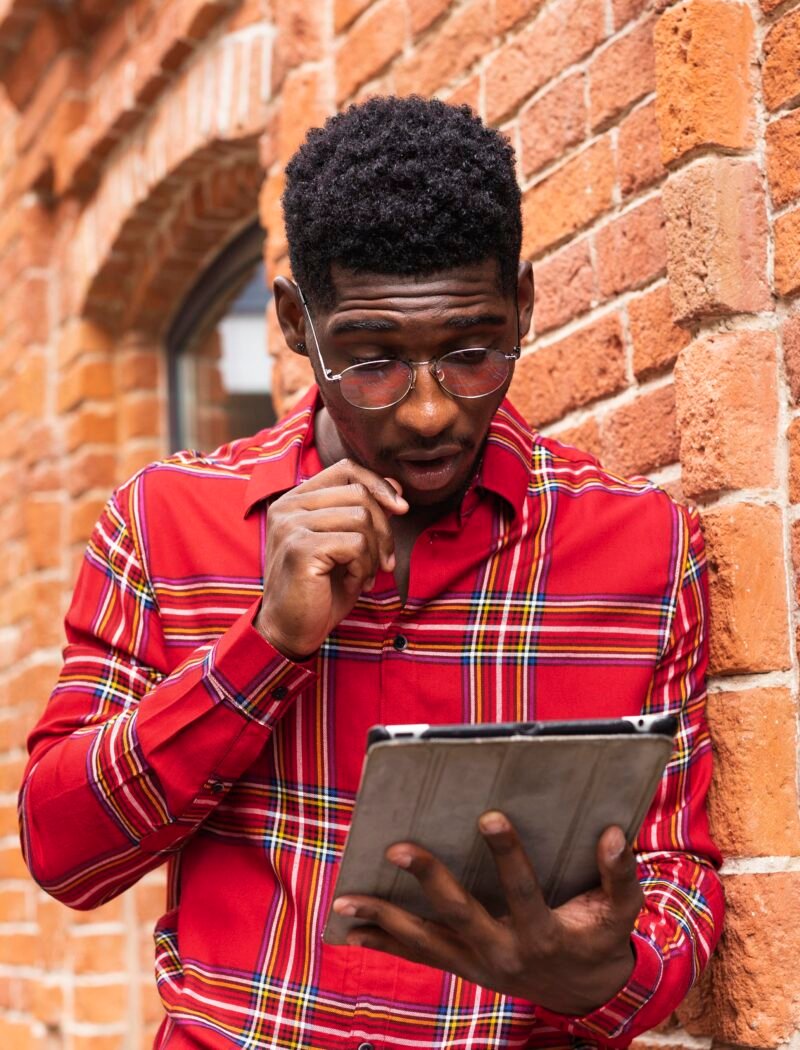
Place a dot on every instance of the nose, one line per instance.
(427, 409)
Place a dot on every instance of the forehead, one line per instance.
(475, 288)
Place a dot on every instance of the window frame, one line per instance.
(205, 305)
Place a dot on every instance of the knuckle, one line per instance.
(522, 890)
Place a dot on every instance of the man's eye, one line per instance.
(474, 355)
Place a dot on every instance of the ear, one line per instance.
(525, 297)
(290, 314)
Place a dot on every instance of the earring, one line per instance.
(300, 346)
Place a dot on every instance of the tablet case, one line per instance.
(559, 792)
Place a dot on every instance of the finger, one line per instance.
(347, 472)
(517, 876)
(355, 520)
(354, 495)
(618, 877)
(389, 928)
(346, 550)
(453, 905)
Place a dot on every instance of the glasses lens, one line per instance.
(376, 384)
(473, 373)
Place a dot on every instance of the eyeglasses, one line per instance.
(471, 373)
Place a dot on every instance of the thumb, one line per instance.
(617, 866)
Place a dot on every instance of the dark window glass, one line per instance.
(220, 369)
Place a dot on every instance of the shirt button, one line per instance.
(400, 644)
(280, 693)
(365, 1046)
(217, 787)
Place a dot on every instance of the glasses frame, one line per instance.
(432, 365)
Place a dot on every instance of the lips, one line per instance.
(431, 469)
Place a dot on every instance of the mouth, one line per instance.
(432, 469)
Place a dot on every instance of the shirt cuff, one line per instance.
(244, 671)
(615, 1018)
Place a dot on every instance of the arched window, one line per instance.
(219, 368)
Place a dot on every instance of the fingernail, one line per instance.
(616, 842)
(401, 859)
(369, 584)
(494, 823)
(342, 906)
(391, 561)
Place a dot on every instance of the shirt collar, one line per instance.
(289, 455)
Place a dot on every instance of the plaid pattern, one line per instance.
(175, 732)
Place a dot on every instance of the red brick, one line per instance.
(568, 199)
(346, 11)
(562, 34)
(640, 437)
(303, 106)
(98, 952)
(704, 90)
(565, 286)
(43, 523)
(620, 74)
(717, 239)
(508, 13)
(791, 353)
(585, 437)
(783, 158)
(639, 151)
(753, 815)
(753, 996)
(140, 417)
(50, 35)
(466, 94)
(90, 425)
(786, 232)
(747, 586)
(369, 46)
(570, 373)
(656, 340)
(632, 249)
(424, 13)
(555, 121)
(82, 337)
(793, 438)
(91, 468)
(726, 387)
(450, 51)
(90, 378)
(101, 1004)
(301, 38)
(780, 70)
(20, 1035)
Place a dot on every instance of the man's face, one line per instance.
(430, 441)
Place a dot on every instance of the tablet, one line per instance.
(560, 783)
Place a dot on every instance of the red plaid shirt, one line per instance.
(177, 733)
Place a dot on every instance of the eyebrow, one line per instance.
(377, 324)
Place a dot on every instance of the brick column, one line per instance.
(732, 247)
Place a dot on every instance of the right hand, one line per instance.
(326, 540)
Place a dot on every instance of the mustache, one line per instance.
(426, 445)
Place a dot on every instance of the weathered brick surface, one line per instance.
(376, 40)
(554, 122)
(780, 68)
(783, 158)
(747, 589)
(458, 42)
(640, 437)
(717, 239)
(791, 353)
(632, 250)
(569, 199)
(571, 372)
(751, 814)
(657, 341)
(620, 74)
(726, 387)
(786, 232)
(703, 57)
(638, 151)
(564, 286)
(562, 34)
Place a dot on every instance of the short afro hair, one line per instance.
(401, 186)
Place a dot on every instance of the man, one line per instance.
(401, 548)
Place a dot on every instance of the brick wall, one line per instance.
(659, 151)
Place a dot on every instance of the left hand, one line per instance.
(569, 959)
